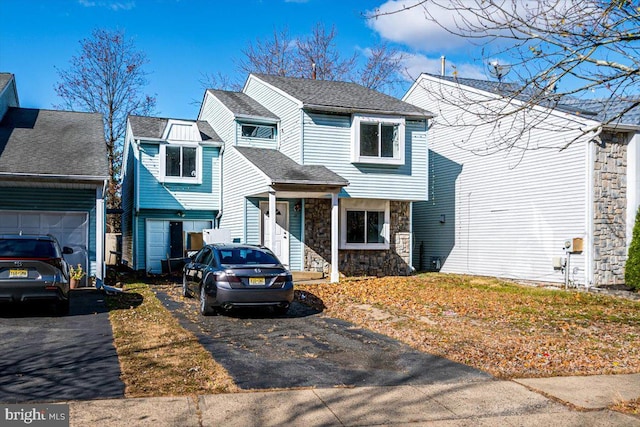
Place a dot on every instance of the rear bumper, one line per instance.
(21, 292)
(253, 297)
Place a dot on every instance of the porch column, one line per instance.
(335, 277)
(272, 220)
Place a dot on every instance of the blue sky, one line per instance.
(186, 39)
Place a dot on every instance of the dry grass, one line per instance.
(508, 330)
(157, 356)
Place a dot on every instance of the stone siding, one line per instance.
(610, 202)
(317, 254)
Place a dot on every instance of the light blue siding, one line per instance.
(158, 195)
(328, 142)
(288, 112)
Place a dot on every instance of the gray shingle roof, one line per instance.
(602, 110)
(242, 105)
(326, 95)
(47, 142)
(153, 127)
(5, 78)
(283, 170)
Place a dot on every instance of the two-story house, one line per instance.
(53, 173)
(570, 172)
(169, 188)
(323, 172)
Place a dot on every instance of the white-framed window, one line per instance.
(378, 140)
(181, 163)
(258, 131)
(364, 224)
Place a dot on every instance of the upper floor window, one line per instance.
(259, 131)
(378, 140)
(180, 163)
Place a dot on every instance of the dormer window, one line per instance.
(181, 163)
(378, 140)
(258, 131)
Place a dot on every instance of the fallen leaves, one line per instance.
(506, 329)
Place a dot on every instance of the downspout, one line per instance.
(220, 191)
(134, 239)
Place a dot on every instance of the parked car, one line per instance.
(32, 269)
(235, 275)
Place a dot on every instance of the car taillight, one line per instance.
(227, 276)
(283, 278)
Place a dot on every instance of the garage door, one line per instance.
(70, 228)
(158, 245)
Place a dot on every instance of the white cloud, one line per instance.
(412, 28)
(113, 5)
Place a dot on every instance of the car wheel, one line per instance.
(185, 288)
(205, 307)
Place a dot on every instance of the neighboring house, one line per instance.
(53, 172)
(339, 164)
(509, 213)
(169, 188)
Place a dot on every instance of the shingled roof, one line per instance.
(59, 143)
(154, 127)
(242, 105)
(335, 96)
(602, 110)
(283, 170)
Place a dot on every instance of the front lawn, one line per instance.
(508, 330)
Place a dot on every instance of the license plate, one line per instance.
(15, 273)
(256, 281)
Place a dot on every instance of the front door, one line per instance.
(282, 226)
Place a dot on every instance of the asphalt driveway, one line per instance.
(51, 358)
(307, 348)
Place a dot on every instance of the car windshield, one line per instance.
(246, 256)
(27, 248)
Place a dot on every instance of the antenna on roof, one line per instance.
(498, 70)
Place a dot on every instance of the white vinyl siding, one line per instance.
(241, 180)
(288, 112)
(219, 117)
(505, 214)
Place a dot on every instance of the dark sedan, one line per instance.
(32, 268)
(234, 275)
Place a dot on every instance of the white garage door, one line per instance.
(70, 228)
(159, 240)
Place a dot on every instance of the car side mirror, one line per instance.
(67, 250)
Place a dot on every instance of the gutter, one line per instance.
(57, 177)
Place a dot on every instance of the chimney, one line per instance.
(443, 62)
(313, 71)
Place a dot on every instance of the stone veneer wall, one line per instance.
(610, 207)
(317, 253)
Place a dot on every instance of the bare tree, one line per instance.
(382, 70)
(273, 56)
(556, 51)
(317, 56)
(283, 55)
(107, 77)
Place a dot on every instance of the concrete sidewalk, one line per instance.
(530, 402)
